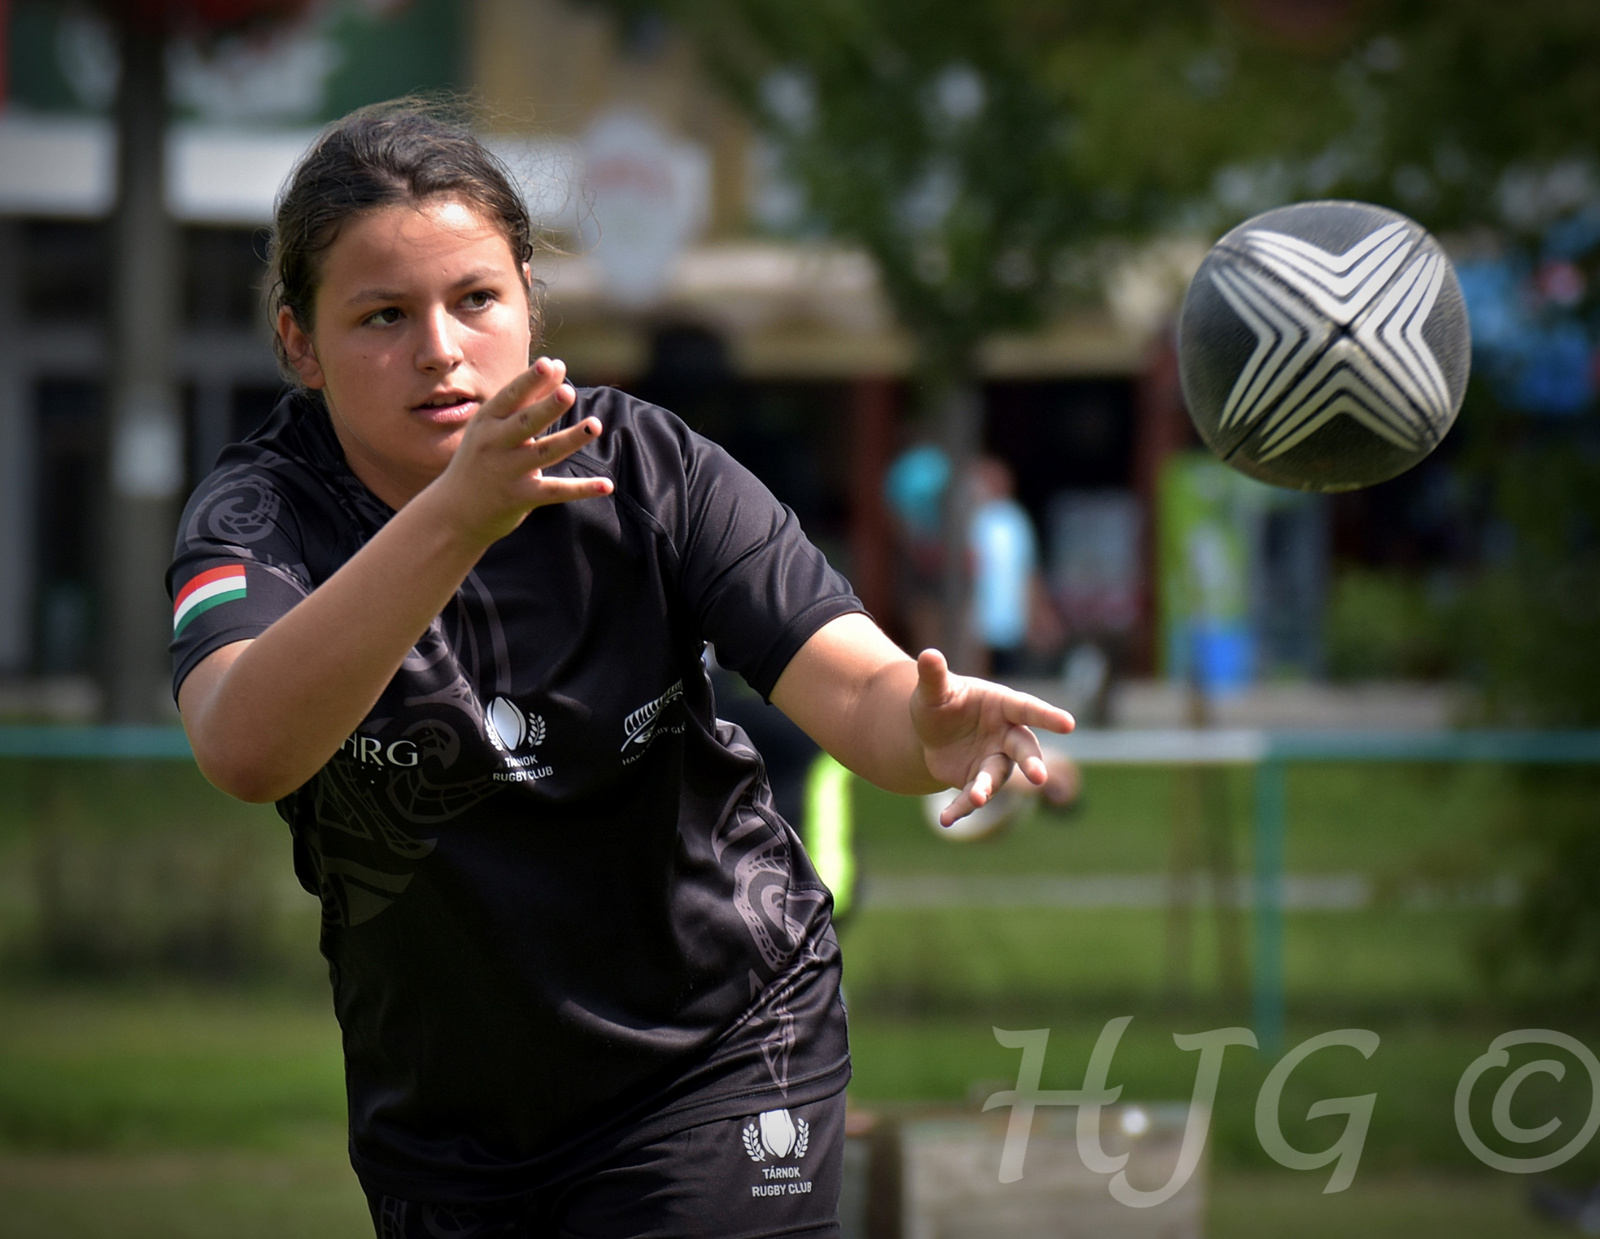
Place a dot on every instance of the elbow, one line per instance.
(240, 771)
(236, 750)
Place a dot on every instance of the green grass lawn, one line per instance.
(1280, 1206)
(309, 1193)
(1047, 959)
(306, 1191)
(149, 1107)
(169, 1068)
(204, 1112)
(1385, 821)
(1414, 1073)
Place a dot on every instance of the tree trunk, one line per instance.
(146, 470)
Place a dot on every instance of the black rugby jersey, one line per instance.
(552, 881)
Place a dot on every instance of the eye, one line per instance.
(385, 317)
(481, 299)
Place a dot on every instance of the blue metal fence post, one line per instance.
(1268, 982)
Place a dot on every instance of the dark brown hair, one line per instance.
(402, 152)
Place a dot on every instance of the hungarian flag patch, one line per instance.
(210, 589)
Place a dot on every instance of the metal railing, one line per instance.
(1268, 753)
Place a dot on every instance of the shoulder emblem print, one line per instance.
(210, 589)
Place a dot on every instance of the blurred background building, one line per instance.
(675, 286)
(685, 267)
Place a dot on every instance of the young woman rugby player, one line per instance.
(448, 613)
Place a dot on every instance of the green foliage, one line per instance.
(1387, 624)
(1162, 103)
(918, 129)
(978, 151)
(977, 148)
(1534, 620)
(1545, 951)
(1529, 631)
(1464, 89)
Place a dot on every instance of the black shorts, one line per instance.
(763, 1174)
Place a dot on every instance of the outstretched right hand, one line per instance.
(497, 474)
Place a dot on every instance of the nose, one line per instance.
(438, 348)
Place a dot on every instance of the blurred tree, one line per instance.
(1463, 92)
(978, 148)
(1484, 121)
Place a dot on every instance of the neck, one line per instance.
(394, 487)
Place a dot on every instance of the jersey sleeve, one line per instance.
(757, 586)
(237, 567)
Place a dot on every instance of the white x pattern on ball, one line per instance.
(1382, 373)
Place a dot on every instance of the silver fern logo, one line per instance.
(1380, 372)
(639, 728)
(776, 1134)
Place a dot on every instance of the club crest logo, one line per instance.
(776, 1134)
(508, 728)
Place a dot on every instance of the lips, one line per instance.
(447, 408)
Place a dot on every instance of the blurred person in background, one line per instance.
(1012, 614)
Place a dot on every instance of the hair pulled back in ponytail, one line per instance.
(403, 152)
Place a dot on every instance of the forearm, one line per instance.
(850, 689)
(282, 706)
(877, 735)
(912, 726)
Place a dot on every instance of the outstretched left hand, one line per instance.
(973, 732)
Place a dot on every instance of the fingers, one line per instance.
(956, 810)
(529, 421)
(508, 429)
(1031, 712)
(1022, 747)
(936, 685)
(933, 677)
(539, 454)
(529, 404)
(565, 490)
(550, 449)
(991, 776)
(535, 383)
(533, 400)
(1064, 782)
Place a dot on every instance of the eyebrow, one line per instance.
(479, 275)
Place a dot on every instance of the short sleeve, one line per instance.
(757, 586)
(237, 567)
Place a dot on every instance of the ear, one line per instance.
(297, 346)
(533, 324)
